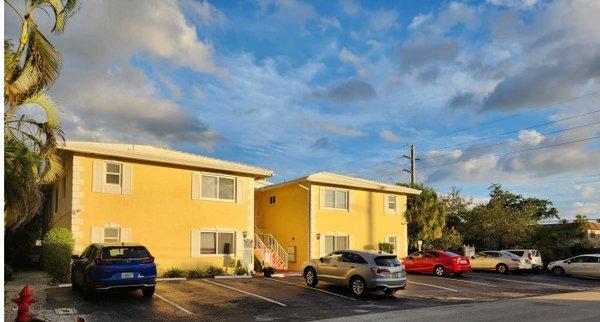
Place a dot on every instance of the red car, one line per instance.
(438, 262)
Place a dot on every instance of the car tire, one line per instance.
(389, 291)
(87, 290)
(148, 291)
(310, 276)
(501, 269)
(358, 286)
(458, 274)
(439, 271)
(558, 271)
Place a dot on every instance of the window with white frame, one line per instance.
(112, 235)
(336, 198)
(336, 242)
(218, 187)
(390, 203)
(272, 200)
(217, 243)
(113, 173)
(394, 241)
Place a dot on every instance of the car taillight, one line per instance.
(530, 255)
(380, 271)
(147, 260)
(516, 260)
(101, 261)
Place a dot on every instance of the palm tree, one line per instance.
(31, 156)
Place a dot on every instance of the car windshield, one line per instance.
(124, 252)
(451, 254)
(387, 261)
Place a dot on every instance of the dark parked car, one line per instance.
(113, 267)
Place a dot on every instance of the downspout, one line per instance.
(309, 219)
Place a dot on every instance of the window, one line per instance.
(125, 253)
(353, 258)
(113, 173)
(336, 199)
(272, 200)
(387, 261)
(333, 243)
(217, 243)
(392, 240)
(333, 257)
(112, 234)
(56, 199)
(390, 203)
(64, 187)
(216, 187)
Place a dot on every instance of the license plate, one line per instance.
(126, 275)
(395, 275)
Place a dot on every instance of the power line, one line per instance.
(510, 116)
(547, 133)
(521, 129)
(513, 152)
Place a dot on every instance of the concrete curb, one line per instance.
(170, 279)
(286, 275)
(225, 277)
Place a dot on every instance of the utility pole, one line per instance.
(413, 165)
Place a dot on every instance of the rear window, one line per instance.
(517, 252)
(387, 261)
(451, 254)
(125, 252)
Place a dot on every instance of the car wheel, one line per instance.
(458, 274)
(501, 269)
(148, 291)
(358, 286)
(87, 290)
(439, 271)
(310, 276)
(389, 291)
(558, 271)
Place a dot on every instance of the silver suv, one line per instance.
(359, 270)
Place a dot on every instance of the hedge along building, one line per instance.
(323, 212)
(189, 210)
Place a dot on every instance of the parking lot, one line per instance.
(262, 299)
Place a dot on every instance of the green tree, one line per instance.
(426, 216)
(457, 207)
(31, 156)
(582, 225)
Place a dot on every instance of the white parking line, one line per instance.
(436, 286)
(173, 304)
(313, 288)
(535, 283)
(242, 291)
(470, 282)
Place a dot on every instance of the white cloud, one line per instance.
(350, 57)
(531, 137)
(331, 22)
(350, 7)
(521, 4)
(389, 135)
(382, 19)
(586, 192)
(419, 20)
(206, 12)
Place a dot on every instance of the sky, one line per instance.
(497, 91)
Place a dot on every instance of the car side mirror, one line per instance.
(321, 259)
(472, 257)
(74, 256)
(569, 261)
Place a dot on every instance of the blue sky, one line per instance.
(344, 86)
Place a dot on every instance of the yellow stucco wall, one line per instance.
(287, 219)
(62, 188)
(160, 212)
(366, 221)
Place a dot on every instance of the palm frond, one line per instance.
(48, 105)
(62, 11)
(42, 64)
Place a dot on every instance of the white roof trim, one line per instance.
(162, 155)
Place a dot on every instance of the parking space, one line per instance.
(290, 298)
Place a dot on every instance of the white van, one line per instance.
(531, 256)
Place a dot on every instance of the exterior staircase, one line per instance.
(269, 252)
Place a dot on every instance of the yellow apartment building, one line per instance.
(323, 212)
(188, 210)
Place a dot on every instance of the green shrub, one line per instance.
(268, 271)
(197, 272)
(57, 249)
(386, 247)
(8, 273)
(257, 265)
(173, 272)
(213, 271)
(241, 271)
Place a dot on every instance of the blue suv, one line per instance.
(113, 267)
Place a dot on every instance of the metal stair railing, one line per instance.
(270, 241)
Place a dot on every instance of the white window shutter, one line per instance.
(125, 235)
(196, 185)
(195, 243)
(98, 176)
(239, 185)
(351, 201)
(96, 236)
(322, 197)
(127, 186)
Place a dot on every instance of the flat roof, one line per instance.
(330, 178)
(163, 155)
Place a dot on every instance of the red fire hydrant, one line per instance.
(24, 302)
